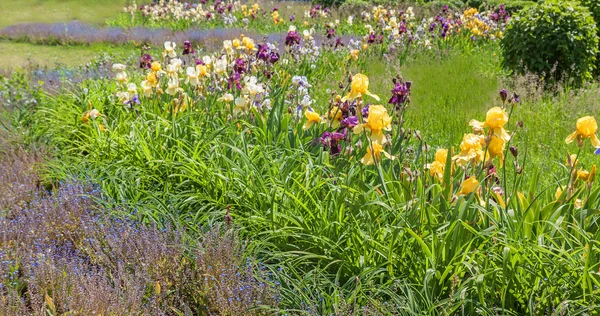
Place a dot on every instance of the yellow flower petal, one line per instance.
(571, 137)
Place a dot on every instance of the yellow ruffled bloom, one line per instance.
(587, 176)
(313, 117)
(335, 115)
(376, 152)
(377, 121)
(436, 168)
(586, 127)
(495, 120)
(583, 174)
(151, 78)
(468, 186)
(470, 150)
(358, 87)
(248, 43)
(496, 149)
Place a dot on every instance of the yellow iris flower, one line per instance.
(359, 87)
(468, 186)
(313, 117)
(376, 152)
(495, 120)
(377, 121)
(436, 168)
(586, 127)
(335, 115)
(496, 149)
(470, 150)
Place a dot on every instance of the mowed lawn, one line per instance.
(26, 56)
(52, 11)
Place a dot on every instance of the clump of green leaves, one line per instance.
(594, 7)
(556, 40)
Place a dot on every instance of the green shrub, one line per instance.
(594, 7)
(510, 6)
(330, 3)
(556, 40)
(439, 4)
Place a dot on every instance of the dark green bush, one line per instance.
(556, 40)
(329, 3)
(594, 7)
(511, 6)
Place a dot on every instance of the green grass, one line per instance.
(52, 11)
(26, 56)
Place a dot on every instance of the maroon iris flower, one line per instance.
(503, 95)
(239, 66)
(273, 57)
(332, 141)
(330, 33)
(187, 48)
(146, 61)
(292, 38)
(263, 52)
(234, 80)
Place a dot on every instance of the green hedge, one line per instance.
(556, 40)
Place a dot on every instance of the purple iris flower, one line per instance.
(292, 38)
(332, 141)
(350, 121)
(325, 139)
(330, 33)
(365, 111)
(133, 100)
(187, 48)
(273, 57)
(400, 93)
(338, 43)
(402, 28)
(239, 66)
(292, 18)
(234, 80)
(432, 27)
(371, 38)
(146, 61)
(263, 52)
(503, 95)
